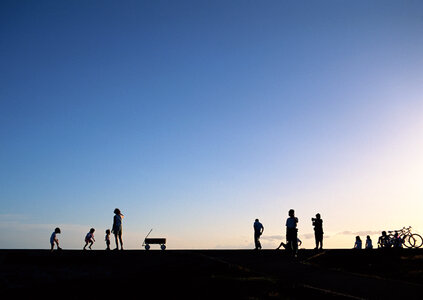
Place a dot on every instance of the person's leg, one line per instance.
(282, 244)
(86, 243)
(295, 241)
(120, 239)
(91, 243)
(116, 241)
(256, 241)
(52, 246)
(316, 239)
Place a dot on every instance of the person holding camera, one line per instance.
(318, 231)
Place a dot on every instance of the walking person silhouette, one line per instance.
(292, 232)
(258, 231)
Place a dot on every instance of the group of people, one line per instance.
(89, 237)
(359, 245)
(292, 240)
(384, 241)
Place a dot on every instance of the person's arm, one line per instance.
(262, 229)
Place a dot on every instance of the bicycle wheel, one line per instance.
(407, 242)
(404, 238)
(415, 240)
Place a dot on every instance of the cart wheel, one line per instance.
(163, 247)
(147, 247)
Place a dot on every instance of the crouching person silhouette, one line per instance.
(54, 239)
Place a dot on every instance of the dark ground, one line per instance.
(211, 274)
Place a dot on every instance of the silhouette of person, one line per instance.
(358, 244)
(292, 232)
(282, 244)
(117, 228)
(107, 239)
(318, 231)
(397, 240)
(383, 241)
(89, 239)
(54, 239)
(258, 231)
(369, 243)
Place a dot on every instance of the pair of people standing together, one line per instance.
(291, 232)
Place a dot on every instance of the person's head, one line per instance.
(117, 211)
(92, 230)
(57, 230)
(357, 238)
(108, 231)
(291, 213)
(383, 233)
(257, 220)
(368, 237)
(317, 216)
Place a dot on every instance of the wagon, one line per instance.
(154, 241)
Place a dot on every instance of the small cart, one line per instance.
(154, 241)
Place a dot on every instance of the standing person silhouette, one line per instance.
(117, 228)
(318, 231)
(258, 231)
(292, 232)
(107, 239)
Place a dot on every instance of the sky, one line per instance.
(197, 117)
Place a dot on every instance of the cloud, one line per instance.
(359, 233)
(307, 236)
(271, 238)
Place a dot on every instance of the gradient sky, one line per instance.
(196, 117)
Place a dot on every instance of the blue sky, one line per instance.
(196, 117)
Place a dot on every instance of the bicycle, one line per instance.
(405, 237)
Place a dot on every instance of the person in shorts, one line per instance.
(89, 238)
(107, 239)
(54, 240)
